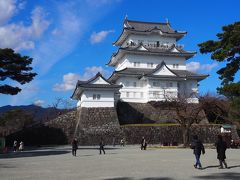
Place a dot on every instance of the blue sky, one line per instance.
(72, 39)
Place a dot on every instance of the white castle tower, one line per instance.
(149, 66)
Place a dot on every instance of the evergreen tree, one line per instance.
(15, 67)
(225, 49)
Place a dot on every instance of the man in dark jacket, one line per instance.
(101, 146)
(221, 149)
(143, 144)
(74, 146)
(197, 147)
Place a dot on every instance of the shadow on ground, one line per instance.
(224, 175)
(97, 147)
(230, 167)
(216, 166)
(208, 167)
(33, 153)
(3, 166)
(149, 178)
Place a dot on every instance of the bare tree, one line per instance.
(183, 111)
(218, 109)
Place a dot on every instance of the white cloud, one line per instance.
(92, 71)
(72, 19)
(70, 79)
(69, 82)
(62, 39)
(38, 102)
(196, 66)
(209, 67)
(98, 37)
(21, 37)
(7, 10)
(193, 66)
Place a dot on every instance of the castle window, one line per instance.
(170, 84)
(127, 94)
(149, 64)
(96, 96)
(175, 66)
(134, 84)
(134, 94)
(156, 94)
(136, 64)
(155, 84)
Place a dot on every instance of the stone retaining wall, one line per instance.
(97, 117)
(140, 113)
(92, 124)
(153, 134)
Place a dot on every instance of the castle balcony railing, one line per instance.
(157, 45)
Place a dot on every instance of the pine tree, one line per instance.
(15, 67)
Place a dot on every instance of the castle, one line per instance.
(149, 66)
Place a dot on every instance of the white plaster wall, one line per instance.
(129, 59)
(136, 94)
(106, 100)
(99, 80)
(145, 90)
(149, 38)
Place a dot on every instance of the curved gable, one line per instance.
(99, 80)
(164, 70)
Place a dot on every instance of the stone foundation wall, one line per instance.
(140, 113)
(97, 117)
(153, 134)
(92, 124)
(97, 123)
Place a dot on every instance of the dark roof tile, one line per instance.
(149, 26)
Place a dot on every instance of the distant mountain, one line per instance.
(38, 113)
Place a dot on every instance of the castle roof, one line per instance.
(141, 27)
(172, 50)
(146, 72)
(93, 84)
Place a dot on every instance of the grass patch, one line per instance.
(162, 147)
(164, 124)
(149, 125)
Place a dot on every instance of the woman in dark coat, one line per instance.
(197, 147)
(101, 146)
(221, 147)
(74, 146)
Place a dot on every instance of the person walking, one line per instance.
(15, 146)
(21, 146)
(101, 146)
(221, 147)
(198, 148)
(143, 144)
(122, 142)
(74, 147)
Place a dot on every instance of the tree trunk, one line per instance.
(185, 136)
